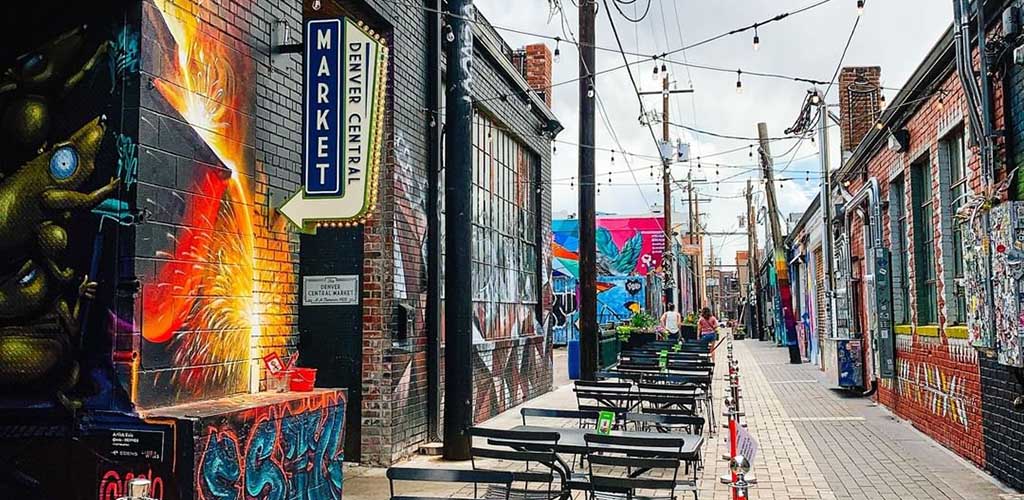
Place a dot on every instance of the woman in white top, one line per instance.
(670, 321)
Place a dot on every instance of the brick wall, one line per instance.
(216, 263)
(534, 63)
(394, 419)
(1004, 425)
(938, 386)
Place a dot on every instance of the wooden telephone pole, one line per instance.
(753, 263)
(587, 202)
(778, 241)
(666, 172)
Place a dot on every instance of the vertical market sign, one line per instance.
(343, 109)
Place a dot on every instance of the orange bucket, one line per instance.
(303, 379)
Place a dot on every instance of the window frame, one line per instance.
(923, 204)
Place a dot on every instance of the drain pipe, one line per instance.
(868, 192)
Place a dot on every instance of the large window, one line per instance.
(953, 152)
(925, 279)
(504, 216)
(899, 246)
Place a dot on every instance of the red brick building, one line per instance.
(919, 153)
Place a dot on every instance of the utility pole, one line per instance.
(690, 223)
(826, 209)
(458, 372)
(753, 263)
(781, 270)
(587, 202)
(666, 154)
(711, 296)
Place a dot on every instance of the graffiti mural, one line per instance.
(508, 373)
(938, 386)
(289, 450)
(625, 245)
(114, 482)
(618, 298)
(61, 99)
(198, 310)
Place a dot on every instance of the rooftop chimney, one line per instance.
(534, 62)
(859, 103)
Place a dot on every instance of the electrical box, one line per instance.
(1011, 21)
(885, 340)
(406, 326)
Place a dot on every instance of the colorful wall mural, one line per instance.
(198, 308)
(938, 387)
(289, 450)
(67, 180)
(625, 245)
(618, 298)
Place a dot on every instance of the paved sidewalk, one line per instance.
(815, 443)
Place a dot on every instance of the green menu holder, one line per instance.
(605, 420)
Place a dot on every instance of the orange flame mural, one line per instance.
(205, 286)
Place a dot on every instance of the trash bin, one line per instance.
(574, 359)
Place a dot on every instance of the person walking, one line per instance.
(671, 321)
(707, 326)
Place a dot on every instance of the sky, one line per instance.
(893, 34)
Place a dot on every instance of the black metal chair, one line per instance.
(526, 448)
(668, 399)
(617, 397)
(476, 477)
(667, 424)
(635, 468)
(585, 419)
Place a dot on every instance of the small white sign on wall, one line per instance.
(330, 290)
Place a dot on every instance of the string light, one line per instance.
(558, 53)
(448, 33)
(654, 75)
(860, 7)
(739, 82)
(757, 39)
(940, 104)
(590, 91)
(664, 70)
(881, 102)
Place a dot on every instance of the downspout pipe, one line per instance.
(870, 193)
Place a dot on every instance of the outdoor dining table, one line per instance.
(570, 440)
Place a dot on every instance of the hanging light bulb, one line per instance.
(698, 162)
(751, 152)
(433, 122)
(613, 157)
(860, 7)
(739, 82)
(590, 91)
(558, 53)
(879, 126)
(554, 149)
(609, 177)
(449, 34)
(572, 182)
(940, 104)
(881, 102)
(664, 71)
(757, 39)
(717, 184)
(654, 75)
(716, 169)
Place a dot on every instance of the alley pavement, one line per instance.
(814, 442)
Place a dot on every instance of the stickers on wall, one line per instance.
(343, 108)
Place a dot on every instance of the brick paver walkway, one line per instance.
(815, 443)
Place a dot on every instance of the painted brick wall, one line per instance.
(1004, 425)
(216, 263)
(938, 386)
